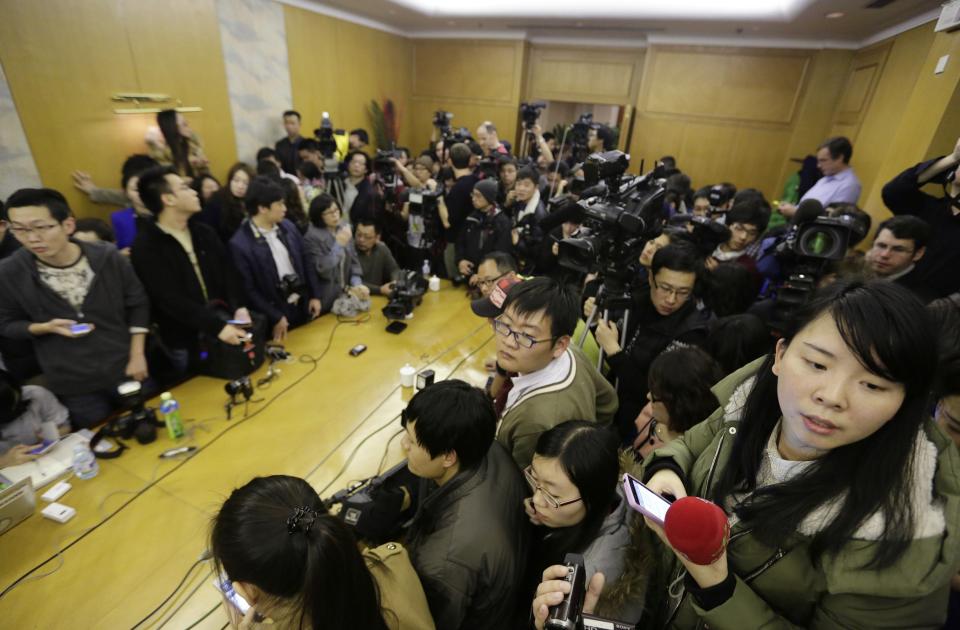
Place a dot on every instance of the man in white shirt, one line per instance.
(269, 254)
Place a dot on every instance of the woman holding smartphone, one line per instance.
(577, 507)
(842, 495)
(299, 567)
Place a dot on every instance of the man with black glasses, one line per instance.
(662, 314)
(555, 382)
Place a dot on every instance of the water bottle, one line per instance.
(170, 409)
(85, 465)
(426, 269)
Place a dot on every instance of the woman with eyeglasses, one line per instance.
(577, 507)
(298, 566)
(679, 397)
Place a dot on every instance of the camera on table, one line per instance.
(407, 293)
(138, 420)
(240, 387)
(290, 285)
(530, 113)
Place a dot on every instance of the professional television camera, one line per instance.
(374, 506)
(620, 214)
(424, 203)
(407, 293)
(449, 135)
(529, 114)
(806, 252)
(579, 133)
(328, 145)
(385, 173)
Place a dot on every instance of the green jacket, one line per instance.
(782, 588)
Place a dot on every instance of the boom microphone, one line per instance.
(698, 529)
(808, 210)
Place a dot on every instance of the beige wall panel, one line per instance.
(607, 76)
(727, 84)
(64, 60)
(339, 67)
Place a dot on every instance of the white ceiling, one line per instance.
(638, 22)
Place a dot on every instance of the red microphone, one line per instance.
(698, 529)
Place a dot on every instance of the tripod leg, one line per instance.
(586, 329)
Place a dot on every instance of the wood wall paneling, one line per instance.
(729, 84)
(902, 60)
(475, 80)
(63, 63)
(339, 67)
(605, 76)
(862, 78)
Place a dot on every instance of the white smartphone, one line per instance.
(224, 585)
(644, 500)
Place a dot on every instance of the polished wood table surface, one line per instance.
(143, 521)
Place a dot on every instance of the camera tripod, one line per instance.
(606, 301)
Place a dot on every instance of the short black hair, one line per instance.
(504, 261)
(702, 193)
(460, 155)
(308, 170)
(560, 167)
(453, 416)
(748, 213)
(265, 153)
(98, 226)
(133, 166)
(838, 146)
(268, 168)
(366, 159)
(528, 173)
(669, 162)
(606, 134)
(677, 257)
(292, 112)
(548, 136)
(318, 206)
(152, 184)
(309, 144)
(907, 226)
(362, 134)
(545, 294)
(49, 198)
(369, 221)
(262, 192)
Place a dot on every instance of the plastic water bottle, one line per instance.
(85, 465)
(426, 269)
(170, 409)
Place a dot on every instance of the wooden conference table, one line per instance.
(143, 521)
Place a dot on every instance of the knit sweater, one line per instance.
(580, 394)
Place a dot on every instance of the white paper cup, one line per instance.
(407, 375)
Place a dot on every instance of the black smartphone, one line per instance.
(396, 327)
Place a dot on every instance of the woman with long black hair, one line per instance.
(299, 567)
(841, 493)
(177, 145)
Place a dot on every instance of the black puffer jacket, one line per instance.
(468, 543)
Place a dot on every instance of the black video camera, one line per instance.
(373, 506)
(705, 233)
(291, 284)
(441, 119)
(530, 113)
(568, 614)
(324, 134)
(617, 222)
(407, 293)
(240, 387)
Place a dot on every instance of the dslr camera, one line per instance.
(407, 293)
(291, 284)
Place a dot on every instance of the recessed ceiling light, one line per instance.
(834, 15)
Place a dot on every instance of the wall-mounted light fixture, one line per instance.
(137, 99)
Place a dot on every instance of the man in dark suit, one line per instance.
(288, 148)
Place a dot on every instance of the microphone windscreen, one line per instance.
(697, 528)
(808, 210)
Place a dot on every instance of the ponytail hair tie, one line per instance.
(305, 514)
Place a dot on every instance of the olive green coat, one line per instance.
(781, 587)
